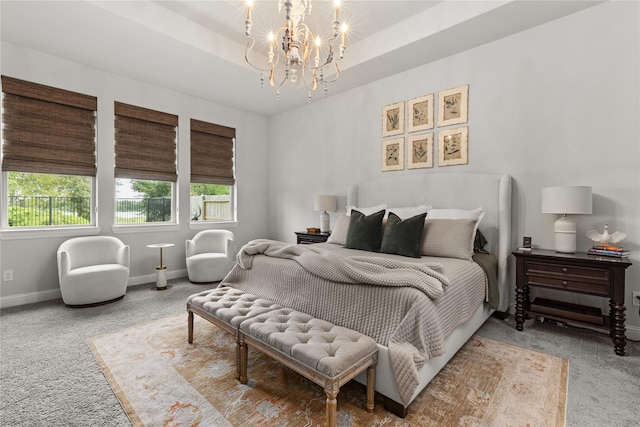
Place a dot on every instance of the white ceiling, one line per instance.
(197, 47)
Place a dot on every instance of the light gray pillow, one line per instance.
(340, 229)
(453, 213)
(448, 238)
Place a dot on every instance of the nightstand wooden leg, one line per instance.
(617, 316)
(519, 308)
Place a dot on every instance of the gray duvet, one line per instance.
(408, 305)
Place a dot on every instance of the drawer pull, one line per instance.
(565, 283)
(565, 270)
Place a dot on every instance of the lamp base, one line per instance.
(324, 222)
(565, 235)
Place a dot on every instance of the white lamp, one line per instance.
(566, 200)
(324, 204)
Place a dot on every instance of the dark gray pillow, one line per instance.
(364, 231)
(403, 237)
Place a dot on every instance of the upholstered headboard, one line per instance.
(451, 190)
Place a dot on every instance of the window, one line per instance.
(212, 172)
(49, 155)
(145, 165)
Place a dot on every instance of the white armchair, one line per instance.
(209, 255)
(93, 270)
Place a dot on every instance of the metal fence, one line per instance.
(139, 210)
(39, 211)
(36, 211)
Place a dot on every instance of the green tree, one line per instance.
(40, 184)
(152, 189)
(209, 189)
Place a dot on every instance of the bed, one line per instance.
(416, 334)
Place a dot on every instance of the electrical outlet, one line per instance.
(7, 276)
(636, 298)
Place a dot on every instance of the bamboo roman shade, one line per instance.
(211, 153)
(145, 143)
(47, 130)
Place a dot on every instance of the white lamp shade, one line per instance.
(325, 203)
(567, 200)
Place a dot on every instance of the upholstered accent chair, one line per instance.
(93, 270)
(210, 255)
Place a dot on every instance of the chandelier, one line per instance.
(295, 53)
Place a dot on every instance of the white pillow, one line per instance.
(475, 214)
(366, 211)
(340, 229)
(408, 212)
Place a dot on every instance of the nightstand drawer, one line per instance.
(568, 284)
(569, 272)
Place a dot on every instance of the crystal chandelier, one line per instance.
(296, 53)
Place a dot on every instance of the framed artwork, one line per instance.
(393, 119)
(453, 106)
(393, 154)
(420, 151)
(420, 113)
(453, 147)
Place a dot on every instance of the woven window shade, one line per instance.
(47, 130)
(145, 145)
(211, 153)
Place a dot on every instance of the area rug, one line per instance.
(161, 380)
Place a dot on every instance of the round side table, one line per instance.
(161, 270)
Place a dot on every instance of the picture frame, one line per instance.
(393, 154)
(420, 151)
(393, 119)
(453, 106)
(453, 146)
(420, 113)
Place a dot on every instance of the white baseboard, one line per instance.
(29, 298)
(633, 332)
(51, 294)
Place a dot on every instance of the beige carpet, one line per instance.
(161, 380)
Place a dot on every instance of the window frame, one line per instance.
(155, 118)
(66, 98)
(215, 131)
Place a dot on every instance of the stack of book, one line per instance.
(609, 250)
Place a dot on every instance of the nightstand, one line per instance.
(578, 273)
(308, 238)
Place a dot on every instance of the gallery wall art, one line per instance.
(452, 143)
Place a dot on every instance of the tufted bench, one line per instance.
(326, 354)
(226, 308)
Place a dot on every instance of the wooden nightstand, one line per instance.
(578, 273)
(308, 238)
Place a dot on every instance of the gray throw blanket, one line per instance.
(427, 277)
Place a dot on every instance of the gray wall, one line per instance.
(33, 258)
(554, 105)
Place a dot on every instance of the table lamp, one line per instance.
(324, 204)
(566, 201)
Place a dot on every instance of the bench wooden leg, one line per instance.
(190, 323)
(241, 366)
(371, 387)
(331, 389)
